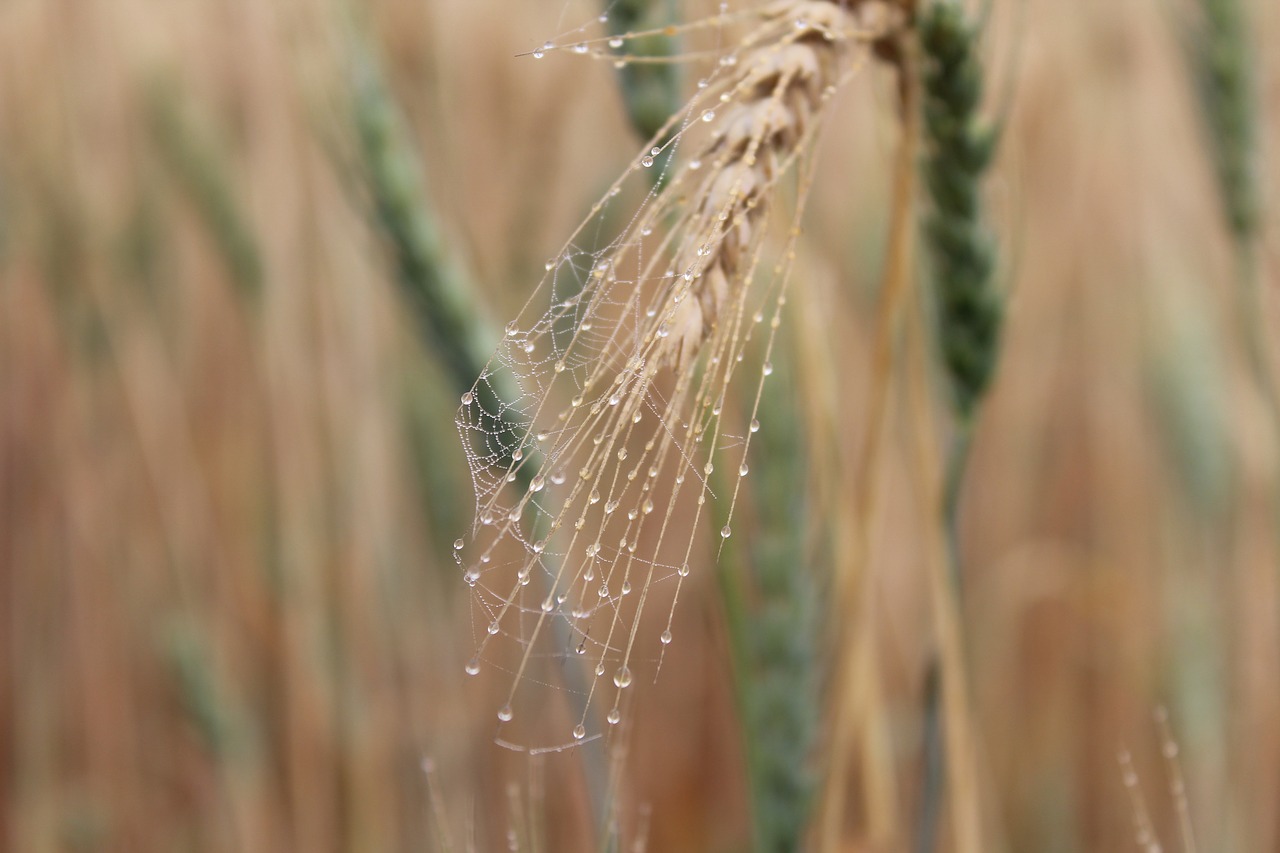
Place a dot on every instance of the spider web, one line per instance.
(593, 433)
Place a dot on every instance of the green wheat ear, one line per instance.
(959, 149)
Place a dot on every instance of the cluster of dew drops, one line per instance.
(623, 676)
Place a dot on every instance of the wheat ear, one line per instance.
(646, 351)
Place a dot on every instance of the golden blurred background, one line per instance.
(230, 479)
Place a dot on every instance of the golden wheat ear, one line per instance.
(591, 483)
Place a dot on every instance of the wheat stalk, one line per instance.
(645, 341)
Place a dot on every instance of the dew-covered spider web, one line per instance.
(595, 430)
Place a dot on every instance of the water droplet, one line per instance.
(594, 497)
(695, 165)
(615, 42)
(708, 468)
(538, 54)
(755, 425)
(539, 547)
(683, 571)
(593, 549)
(726, 532)
(457, 544)
(622, 678)
(576, 401)
(579, 48)
(471, 576)
(579, 731)
(486, 518)
(647, 506)
(614, 717)
(665, 638)
(618, 63)
(646, 161)
(767, 369)
(548, 605)
(646, 231)
(600, 668)
(537, 483)
(559, 366)
(759, 317)
(609, 507)
(557, 478)
(512, 329)
(550, 264)
(493, 627)
(473, 666)
(742, 470)
(505, 714)
(708, 115)
(603, 592)
(626, 587)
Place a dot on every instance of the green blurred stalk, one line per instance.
(201, 171)
(1222, 65)
(770, 600)
(969, 308)
(444, 307)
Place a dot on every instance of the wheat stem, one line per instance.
(851, 581)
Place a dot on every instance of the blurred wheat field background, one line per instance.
(230, 481)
